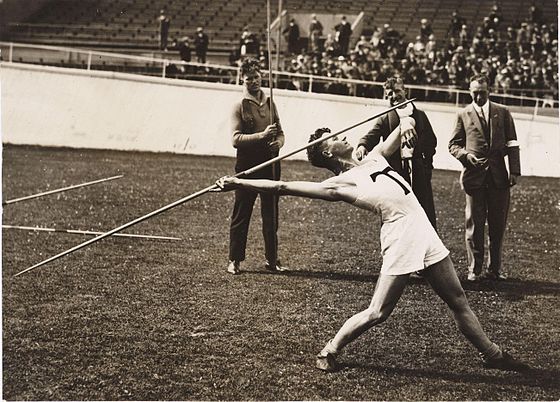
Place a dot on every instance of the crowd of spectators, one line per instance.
(520, 59)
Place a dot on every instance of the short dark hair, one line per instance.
(480, 78)
(250, 65)
(315, 152)
(392, 82)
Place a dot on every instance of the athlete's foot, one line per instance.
(326, 362)
(505, 362)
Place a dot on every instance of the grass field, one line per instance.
(129, 319)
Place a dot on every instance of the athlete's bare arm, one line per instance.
(333, 189)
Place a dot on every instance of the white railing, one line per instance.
(90, 59)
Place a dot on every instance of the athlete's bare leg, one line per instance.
(443, 279)
(388, 291)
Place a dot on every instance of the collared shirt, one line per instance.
(485, 108)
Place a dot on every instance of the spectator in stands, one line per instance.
(256, 141)
(495, 17)
(463, 36)
(414, 166)
(485, 179)
(457, 23)
(362, 44)
(164, 22)
(292, 32)
(249, 44)
(425, 30)
(431, 48)
(200, 45)
(184, 47)
(343, 32)
(391, 35)
(331, 46)
(535, 15)
(315, 34)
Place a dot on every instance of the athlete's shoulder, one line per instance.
(374, 156)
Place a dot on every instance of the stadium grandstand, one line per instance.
(433, 44)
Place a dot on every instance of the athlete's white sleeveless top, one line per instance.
(409, 243)
(382, 190)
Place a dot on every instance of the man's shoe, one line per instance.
(495, 276)
(506, 362)
(278, 267)
(326, 362)
(233, 267)
(472, 277)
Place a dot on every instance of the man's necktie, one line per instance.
(484, 124)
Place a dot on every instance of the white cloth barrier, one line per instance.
(52, 106)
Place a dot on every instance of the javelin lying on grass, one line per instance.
(206, 190)
(89, 183)
(87, 232)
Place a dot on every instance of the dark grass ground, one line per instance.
(129, 319)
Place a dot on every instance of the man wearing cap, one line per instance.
(484, 134)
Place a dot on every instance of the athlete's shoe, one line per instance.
(278, 267)
(233, 267)
(326, 362)
(506, 362)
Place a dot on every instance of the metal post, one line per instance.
(279, 36)
(89, 60)
(10, 57)
(310, 84)
(536, 111)
(164, 64)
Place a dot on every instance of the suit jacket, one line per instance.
(468, 137)
(424, 150)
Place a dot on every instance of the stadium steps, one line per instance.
(134, 22)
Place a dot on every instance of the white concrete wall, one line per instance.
(65, 107)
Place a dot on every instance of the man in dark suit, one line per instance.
(344, 31)
(484, 134)
(416, 168)
(292, 30)
(201, 45)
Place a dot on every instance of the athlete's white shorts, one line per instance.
(410, 244)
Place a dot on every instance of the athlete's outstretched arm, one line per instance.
(327, 190)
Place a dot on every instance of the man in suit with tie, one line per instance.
(414, 165)
(484, 134)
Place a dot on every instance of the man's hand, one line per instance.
(513, 179)
(270, 132)
(227, 183)
(409, 138)
(476, 162)
(361, 152)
